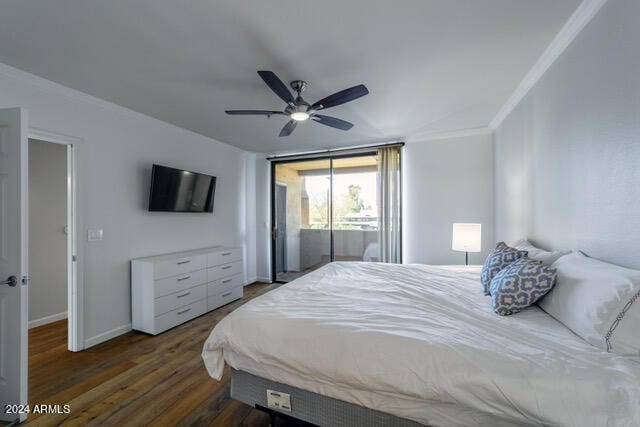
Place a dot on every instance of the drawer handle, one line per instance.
(226, 268)
(226, 254)
(183, 295)
(184, 311)
(184, 262)
(183, 278)
(227, 294)
(227, 281)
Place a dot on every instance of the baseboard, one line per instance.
(106, 336)
(47, 319)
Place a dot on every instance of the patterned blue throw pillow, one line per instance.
(519, 285)
(498, 259)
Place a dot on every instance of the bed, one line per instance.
(421, 343)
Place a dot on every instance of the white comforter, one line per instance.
(422, 342)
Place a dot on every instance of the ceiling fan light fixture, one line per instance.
(299, 116)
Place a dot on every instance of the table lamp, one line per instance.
(467, 237)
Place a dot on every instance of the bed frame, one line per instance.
(310, 407)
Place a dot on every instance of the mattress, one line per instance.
(422, 342)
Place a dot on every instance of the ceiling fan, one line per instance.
(298, 110)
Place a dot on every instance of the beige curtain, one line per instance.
(389, 185)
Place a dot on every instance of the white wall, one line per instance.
(47, 238)
(446, 181)
(568, 157)
(115, 156)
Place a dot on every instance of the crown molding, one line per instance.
(574, 25)
(461, 133)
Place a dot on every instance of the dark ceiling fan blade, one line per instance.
(332, 122)
(341, 97)
(277, 86)
(288, 128)
(252, 112)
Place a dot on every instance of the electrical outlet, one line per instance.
(279, 401)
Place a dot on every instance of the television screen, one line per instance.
(175, 190)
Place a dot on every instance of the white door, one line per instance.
(13, 263)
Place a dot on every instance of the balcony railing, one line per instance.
(347, 245)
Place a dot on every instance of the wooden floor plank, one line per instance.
(136, 379)
(84, 386)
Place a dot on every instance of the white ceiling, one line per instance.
(431, 66)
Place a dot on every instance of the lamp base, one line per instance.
(466, 258)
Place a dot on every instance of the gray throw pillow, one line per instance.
(519, 285)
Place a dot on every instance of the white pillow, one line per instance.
(547, 257)
(598, 301)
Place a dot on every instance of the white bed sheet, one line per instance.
(422, 342)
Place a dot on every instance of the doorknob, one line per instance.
(11, 281)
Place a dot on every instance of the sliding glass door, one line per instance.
(324, 210)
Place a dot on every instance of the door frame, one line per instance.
(75, 283)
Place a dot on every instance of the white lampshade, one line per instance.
(467, 237)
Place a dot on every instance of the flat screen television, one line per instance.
(176, 190)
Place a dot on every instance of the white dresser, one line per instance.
(167, 290)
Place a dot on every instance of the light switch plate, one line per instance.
(278, 400)
(94, 234)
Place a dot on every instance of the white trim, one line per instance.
(75, 286)
(106, 336)
(484, 130)
(576, 23)
(47, 136)
(47, 319)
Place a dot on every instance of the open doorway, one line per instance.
(47, 233)
(55, 294)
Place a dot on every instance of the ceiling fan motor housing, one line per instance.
(299, 85)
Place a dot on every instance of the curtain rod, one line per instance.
(337, 151)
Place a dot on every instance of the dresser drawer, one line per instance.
(180, 315)
(224, 257)
(224, 284)
(180, 283)
(224, 270)
(179, 299)
(222, 298)
(178, 266)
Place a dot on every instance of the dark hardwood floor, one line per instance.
(136, 379)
